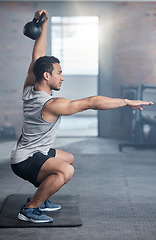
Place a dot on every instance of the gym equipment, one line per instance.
(33, 29)
(139, 139)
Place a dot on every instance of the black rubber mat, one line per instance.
(68, 216)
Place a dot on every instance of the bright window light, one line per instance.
(74, 40)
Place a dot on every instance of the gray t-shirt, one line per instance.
(38, 135)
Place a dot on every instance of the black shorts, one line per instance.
(29, 169)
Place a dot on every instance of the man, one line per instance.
(33, 157)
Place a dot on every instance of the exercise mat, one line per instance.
(68, 216)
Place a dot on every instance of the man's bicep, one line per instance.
(63, 106)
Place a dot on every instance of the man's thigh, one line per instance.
(64, 156)
(52, 165)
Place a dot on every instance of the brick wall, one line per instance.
(135, 43)
(14, 60)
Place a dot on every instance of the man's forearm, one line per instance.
(105, 103)
(39, 49)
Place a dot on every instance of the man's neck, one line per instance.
(42, 87)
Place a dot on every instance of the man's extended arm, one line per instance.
(63, 106)
(38, 50)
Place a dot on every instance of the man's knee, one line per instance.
(68, 173)
(71, 158)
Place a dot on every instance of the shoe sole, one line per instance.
(50, 209)
(24, 218)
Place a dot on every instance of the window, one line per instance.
(74, 40)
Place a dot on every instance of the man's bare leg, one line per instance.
(64, 156)
(53, 175)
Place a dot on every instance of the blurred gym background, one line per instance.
(105, 48)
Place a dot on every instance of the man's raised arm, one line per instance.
(39, 49)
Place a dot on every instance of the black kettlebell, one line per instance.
(33, 29)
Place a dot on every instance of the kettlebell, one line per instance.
(33, 29)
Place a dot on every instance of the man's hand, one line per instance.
(38, 14)
(136, 104)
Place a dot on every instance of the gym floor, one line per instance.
(117, 192)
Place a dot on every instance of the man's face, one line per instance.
(56, 79)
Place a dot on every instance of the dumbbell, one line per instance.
(33, 29)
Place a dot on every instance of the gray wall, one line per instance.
(127, 54)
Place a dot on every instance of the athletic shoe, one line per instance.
(48, 206)
(34, 215)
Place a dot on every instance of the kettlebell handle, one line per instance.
(40, 21)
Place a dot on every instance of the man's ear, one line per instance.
(46, 75)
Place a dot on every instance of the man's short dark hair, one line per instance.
(44, 64)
